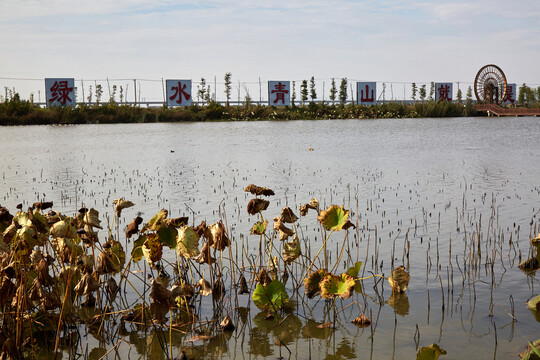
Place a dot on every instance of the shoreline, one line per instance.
(18, 112)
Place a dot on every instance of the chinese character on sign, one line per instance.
(510, 94)
(366, 93)
(60, 92)
(178, 92)
(279, 93)
(443, 92)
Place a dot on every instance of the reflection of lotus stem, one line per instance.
(318, 252)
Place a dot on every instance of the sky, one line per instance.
(393, 41)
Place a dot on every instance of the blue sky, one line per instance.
(397, 42)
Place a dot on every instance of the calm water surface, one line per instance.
(442, 184)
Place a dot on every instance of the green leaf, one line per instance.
(334, 218)
(270, 297)
(137, 253)
(431, 352)
(187, 242)
(167, 235)
(332, 286)
(355, 270)
(534, 303)
(259, 228)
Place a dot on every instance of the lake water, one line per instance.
(447, 186)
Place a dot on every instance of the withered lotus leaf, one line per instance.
(257, 190)
(22, 219)
(334, 218)
(227, 324)
(7, 291)
(220, 240)
(155, 222)
(187, 242)
(121, 204)
(137, 253)
(21, 300)
(112, 258)
(64, 229)
(218, 290)
(88, 284)
(304, 209)
(202, 230)
(263, 277)
(431, 352)
(152, 249)
(5, 216)
(332, 286)
(361, 321)
(66, 249)
(133, 227)
(40, 223)
(291, 250)
(257, 205)
(86, 263)
(204, 256)
(161, 294)
(259, 228)
(243, 287)
(288, 216)
(314, 203)
(36, 290)
(312, 282)
(176, 222)
(28, 235)
(399, 280)
(91, 218)
(43, 273)
(42, 205)
(9, 233)
(50, 301)
(284, 231)
(205, 288)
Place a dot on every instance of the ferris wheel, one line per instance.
(490, 85)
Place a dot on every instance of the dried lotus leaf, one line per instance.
(258, 190)
(288, 216)
(205, 287)
(91, 218)
(87, 285)
(399, 280)
(220, 240)
(133, 227)
(257, 205)
(121, 204)
(187, 242)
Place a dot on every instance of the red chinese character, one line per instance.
(60, 92)
(179, 91)
(365, 97)
(509, 95)
(280, 92)
(444, 93)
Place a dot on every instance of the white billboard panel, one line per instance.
(279, 93)
(366, 93)
(60, 91)
(178, 92)
(443, 92)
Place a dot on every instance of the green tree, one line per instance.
(469, 96)
(293, 95)
(522, 94)
(90, 95)
(201, 90)
(422, 92)
(343, 91)
(431, 91)
(414, 91)
(459, 96)
(313, 94)
(228, 86)
(333, 91)
(99, 92)
(304, 91)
